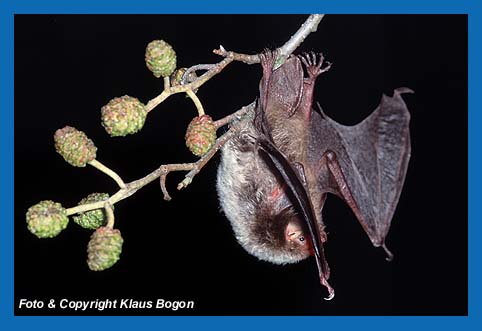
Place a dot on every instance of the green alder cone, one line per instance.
(74, 146)
(104, 248)
(160, 58)
(47, 219)
(200, 135)
(92, 219)
(124, 115)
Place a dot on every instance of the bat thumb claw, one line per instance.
(402, 90)
(389, 257)
(331, 291)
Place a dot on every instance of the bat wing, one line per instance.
(283, 87)
(281, 166)
(365, 164)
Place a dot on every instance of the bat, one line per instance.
(276, 172)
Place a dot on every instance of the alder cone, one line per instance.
(200, 135)
(92, 219)
(160, 58)
(104, 248)
(123, 115)
(47, 219)
(74, 146)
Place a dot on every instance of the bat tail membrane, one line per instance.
(371, 163)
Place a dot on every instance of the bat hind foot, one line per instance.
(313, 65)
(267, 59)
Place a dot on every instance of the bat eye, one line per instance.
(301, 238)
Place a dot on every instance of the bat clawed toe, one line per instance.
(313, 63)
(326, 68)
(312, 58)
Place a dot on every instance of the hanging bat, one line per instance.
(276, 172)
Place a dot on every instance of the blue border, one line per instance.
(9, 8)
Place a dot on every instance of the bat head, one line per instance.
(279, 238)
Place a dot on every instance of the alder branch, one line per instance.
(162, 172)
(235, 119)
(283, 52)
(187, 74)
(234, 116)
(246, 58)
(309, 26)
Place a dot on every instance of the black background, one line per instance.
(67, 67)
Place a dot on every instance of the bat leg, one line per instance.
(314, 69)
(344, 190)
(324, 273)
(267, 60)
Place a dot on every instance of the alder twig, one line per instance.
(96, 164)
(236, 115)
(202, 161)
(109, 211)
(246, 58)
(193, 69)
(197, 102)
(167, 83)
(166, 169)
(309, 26)
(170, 90)
(195, 168)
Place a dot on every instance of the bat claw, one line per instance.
(389, 257)
(331, 291)
(330, 296)
(402, 90)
